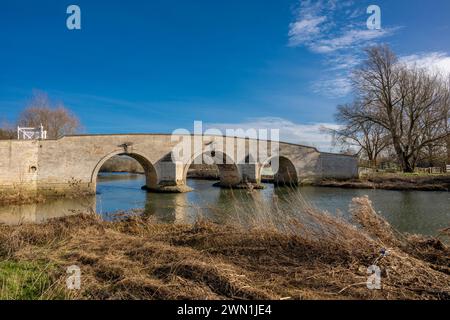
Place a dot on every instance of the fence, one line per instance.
(368, 167)
(31, 133)
(432, 170)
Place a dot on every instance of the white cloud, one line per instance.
(338, 30)
(349, 38)
(305, 29)
(342, 62)
(336, 87)
(325, 26)
(433, 61)
(309, 134)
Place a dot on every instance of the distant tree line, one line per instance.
(122, 164)
(56, 118)
(399, 111)
(7, 133)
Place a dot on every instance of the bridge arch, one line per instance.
(229, 173)
(151, 175)
(286, 173)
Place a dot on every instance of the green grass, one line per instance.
(23, 281)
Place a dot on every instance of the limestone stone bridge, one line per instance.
(70, 164)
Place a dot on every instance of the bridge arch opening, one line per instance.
(127, 163)
(285, 173)
(213, 165)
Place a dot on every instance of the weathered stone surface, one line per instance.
(70, 165)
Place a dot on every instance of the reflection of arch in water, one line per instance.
(229, 174)
(167, 208)
(230, 205)
(150, 172)
(285, 173)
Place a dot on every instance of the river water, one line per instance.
(118, 194)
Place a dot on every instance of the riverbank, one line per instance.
(317, 257)
(24, 198)
(392, 182)
(19, 198)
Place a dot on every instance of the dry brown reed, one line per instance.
(314, 256)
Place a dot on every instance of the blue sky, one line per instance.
(155, 66)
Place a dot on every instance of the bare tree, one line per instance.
(409, 103)
(6, 131)
(6, 134)
(370, 138)
(448, 149)
(447, 127)
(55, 118)
(434, 153)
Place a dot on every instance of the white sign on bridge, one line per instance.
(31, 133)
